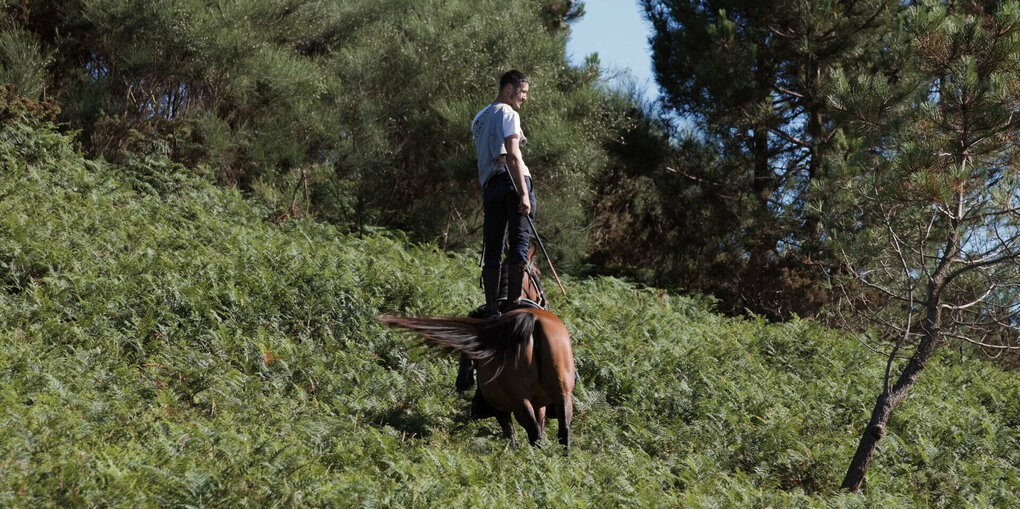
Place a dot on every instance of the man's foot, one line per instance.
(484, 311)
(479, 312)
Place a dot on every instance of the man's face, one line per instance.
(518, 95)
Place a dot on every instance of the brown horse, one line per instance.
(525, 365)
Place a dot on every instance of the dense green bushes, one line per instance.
(162, 344)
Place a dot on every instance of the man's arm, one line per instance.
(515, 164)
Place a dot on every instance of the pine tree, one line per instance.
(754, 77)
(929, 221)
(22, 62)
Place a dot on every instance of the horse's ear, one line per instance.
(531, 253)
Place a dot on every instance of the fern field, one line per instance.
(162, 343)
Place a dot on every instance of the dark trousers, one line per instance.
(500, 205)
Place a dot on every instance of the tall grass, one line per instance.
(162, 343)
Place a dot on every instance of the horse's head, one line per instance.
(531, 289)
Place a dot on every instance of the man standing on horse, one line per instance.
(507, 197)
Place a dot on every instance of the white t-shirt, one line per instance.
(490, 128)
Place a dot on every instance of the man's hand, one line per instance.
(525, 207)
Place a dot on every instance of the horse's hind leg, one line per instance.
(503, 418)
(565, 414)
(481, 409)
(525, 415)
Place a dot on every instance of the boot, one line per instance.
(490, 284)
(504, 273)
(515, 283)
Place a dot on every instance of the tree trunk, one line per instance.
(930, 333)
(869, 441)
(890, 398)
(763, 180)
(887, 401)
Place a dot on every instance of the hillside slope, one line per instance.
(161, 343)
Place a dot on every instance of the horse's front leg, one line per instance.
(503, 418)
(465, 373)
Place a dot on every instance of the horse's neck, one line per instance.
(533, 290)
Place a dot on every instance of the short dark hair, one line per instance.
(514, 77)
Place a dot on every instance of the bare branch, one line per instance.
(984, 345)
(972, 303)
(787, 91)
(970, 266)
(782, 134)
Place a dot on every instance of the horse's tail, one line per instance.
(500, 339)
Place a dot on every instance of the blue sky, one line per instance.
(618, 32)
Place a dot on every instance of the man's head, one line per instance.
(513, 88)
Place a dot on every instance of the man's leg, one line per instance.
(519, 233)
(515, 275)
(494, 230)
